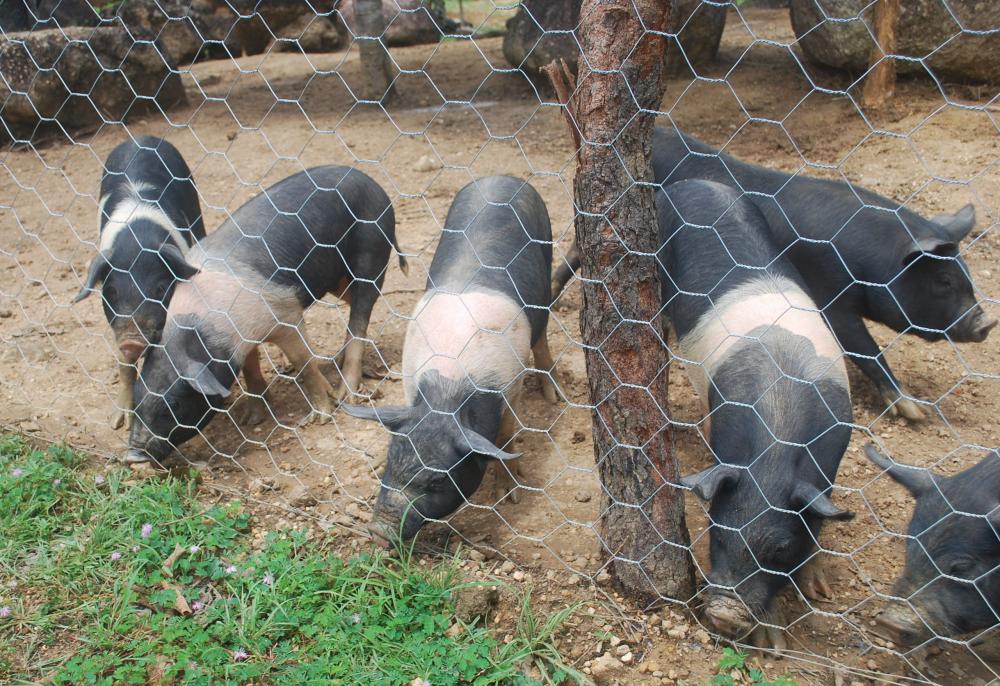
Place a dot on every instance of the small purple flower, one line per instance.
(231, 569)
(240, 655)
(16, 472)
(115, 556)
(355, 618)
(197, 606)
(268, 579)
(425, 683)
(147, 530)
(194, 549)
(5, 612)
(57, 482)
(99, 479)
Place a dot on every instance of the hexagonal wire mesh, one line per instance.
(276, 100)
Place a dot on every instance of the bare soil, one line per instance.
(253, 121)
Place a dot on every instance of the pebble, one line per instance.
(627, 658)
(582, 497)
(622, 649)
(677, 632)
(507, 567)
(579, 437)
(426, 164)
(518, 575)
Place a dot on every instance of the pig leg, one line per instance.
(854, 338)
(252, 409)
(543, 362)
(811, 580)
(126, 401)
(319, 392)
(505, 483)
(362, 296)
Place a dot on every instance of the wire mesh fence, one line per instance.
(289, 244)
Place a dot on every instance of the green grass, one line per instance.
(108, 581)
(733, 669)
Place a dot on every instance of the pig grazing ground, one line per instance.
(58, 359)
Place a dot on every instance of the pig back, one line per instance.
(311, 232)
(154, 171)
(497, 237)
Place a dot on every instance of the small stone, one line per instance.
(578, 437)
(301, 497)
(582, 497)
(702, 636)
(627, 658)
(507, 567)
(6, 314)
(602, 577)
(476, 556)
(622, 649)
(474, 601)
(677, 632)
(518, 575)
(872, 665)
(425, 164)
(454, 630)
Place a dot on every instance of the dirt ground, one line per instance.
(253, 121)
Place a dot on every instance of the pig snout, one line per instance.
(728, 616)
(395, 518)
(974, 327)
(131, 350)
(903, 625)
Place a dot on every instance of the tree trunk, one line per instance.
(881, 82)
(377, 68)
(642, 527)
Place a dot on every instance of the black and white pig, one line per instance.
(324, 230)
(862, 256)
(468, 345)
(951, 583)
(149, 217)
(774, 389)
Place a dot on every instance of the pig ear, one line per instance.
(174, 258)
(917, 481)
(481, 445)
(206, 383)
(97, 272)
(818, 503)
(707, 483)
(958, 225)
(392, 417)
(934, 246)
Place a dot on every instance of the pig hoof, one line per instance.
(813, 583)
(251, 411)
(549, 390)
(769, 638)
(119, 420)
(909, 410)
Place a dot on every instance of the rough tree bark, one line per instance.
(881, 81)
(377, 68)
(642, 525)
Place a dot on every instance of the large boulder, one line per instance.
(183, 29)
(537, 33)
(33, 15)
(407, 22)
(928, 29)
(78, 78)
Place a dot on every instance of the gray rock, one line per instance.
(29, 15)
(79, 78)
(537, 34)
(927, 29)
(311, 33)
(407, 22)
(183, 29)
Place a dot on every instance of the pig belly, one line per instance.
(242, 312)
(765, 302)
(483, 336)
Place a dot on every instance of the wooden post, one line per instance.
(881, 81)
(621, 83)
